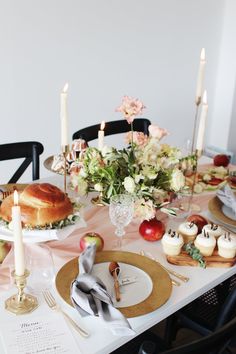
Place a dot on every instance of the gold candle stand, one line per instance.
(65, 150)
(197, 102)
(98, 200)
(21, 303)
(198, 154)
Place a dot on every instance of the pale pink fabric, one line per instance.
(97, 219)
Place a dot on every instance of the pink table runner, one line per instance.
(97, 219)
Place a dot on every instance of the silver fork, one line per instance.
(50, 300)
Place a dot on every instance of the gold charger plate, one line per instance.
(215, 207)
(161, 282)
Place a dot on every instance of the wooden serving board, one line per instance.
(183, 259)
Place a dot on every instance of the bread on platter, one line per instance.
(41, 204)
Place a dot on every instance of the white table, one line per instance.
(101, 341)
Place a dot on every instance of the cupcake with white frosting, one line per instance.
(188, 230)
(213, 230)
(205, 243)
(227, 245)
(172, 243)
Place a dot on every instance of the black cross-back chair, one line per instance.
(207, 313)
(112, 127)
(213, 343)
(30, 150)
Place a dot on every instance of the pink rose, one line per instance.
(139, 138)
(157, 132)
(130, 108)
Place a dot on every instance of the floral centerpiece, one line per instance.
(147, 169)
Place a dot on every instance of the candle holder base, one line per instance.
(98, 201)
(21, 303)
(28, 304)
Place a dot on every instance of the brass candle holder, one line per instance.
(21, 302)
(65, 151)
(98, 201)
(197, 102)
(198, 154)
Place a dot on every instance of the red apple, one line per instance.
(198, 220)
(89, 238)
(4, 249)
(221, 160)
(152, 230)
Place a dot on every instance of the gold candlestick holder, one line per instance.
(98, 200)
(21, 302)
(191, 206)
(65, 150)
(197, 102)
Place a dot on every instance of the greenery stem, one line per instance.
(132, 138)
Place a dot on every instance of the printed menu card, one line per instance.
(38, 335)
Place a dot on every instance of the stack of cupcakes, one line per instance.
(205, 239)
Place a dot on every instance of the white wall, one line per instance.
(144, 48)
(223, 119)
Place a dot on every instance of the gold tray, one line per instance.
(161, 282)
(215, 207)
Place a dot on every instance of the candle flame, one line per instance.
(65, 88)
(203, 54)
(102, 126)
(204, 99)
(16, 198)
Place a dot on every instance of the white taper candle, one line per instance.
(64, 117)
(101, 136)
(200, 78)
(18, 238)
(202, 123)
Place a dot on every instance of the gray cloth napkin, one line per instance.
(90, 297)
(226, 195)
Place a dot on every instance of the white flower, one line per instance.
(150, 152)
(82, 186)
(129, 184)
(137, 178)
(149, 172)
(159, 195)
(98, 187)
(177, 180)
(206, 177)
(106, 150)
(144, 209)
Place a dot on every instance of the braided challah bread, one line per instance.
(41, 204)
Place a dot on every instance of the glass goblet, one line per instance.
(40, 263)
(121, 210)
